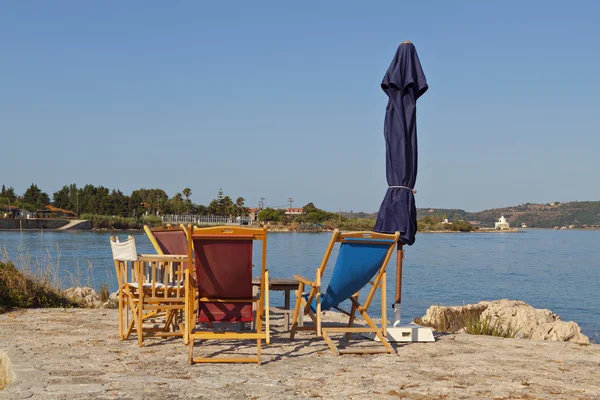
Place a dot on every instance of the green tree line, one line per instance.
(98, 200)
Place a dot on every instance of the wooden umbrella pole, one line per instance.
(399, 257)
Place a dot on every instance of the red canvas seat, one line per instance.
(224, 270)
(220, 288)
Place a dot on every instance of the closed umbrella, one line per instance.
(404, 83)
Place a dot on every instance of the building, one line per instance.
(55, 212)
(253, 214)
(502, 224)
(14, 212)
(294, 211)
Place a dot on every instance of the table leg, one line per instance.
(286, 315)
(254, 294)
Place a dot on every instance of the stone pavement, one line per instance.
(76, 354)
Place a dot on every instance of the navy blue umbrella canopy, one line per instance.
(404, 83)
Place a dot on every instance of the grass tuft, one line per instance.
(485, 326)
(104, 293)
(451, 320)
(21, 289)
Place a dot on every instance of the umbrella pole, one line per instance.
(398, 299)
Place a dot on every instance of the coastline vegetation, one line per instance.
(436, 223)
(22, 289)
(110, 205)
(111, 222)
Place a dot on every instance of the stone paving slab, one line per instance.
(76, 354)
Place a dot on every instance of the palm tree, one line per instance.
(187, 192)
(240, 209)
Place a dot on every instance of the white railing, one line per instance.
(205, 220)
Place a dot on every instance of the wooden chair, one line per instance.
(220, 288)
(164, 277)
(168, 239)
(362, 260)
(125, 258)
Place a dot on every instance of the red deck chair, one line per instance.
(220, 289)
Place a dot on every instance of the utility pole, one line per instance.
(261, 203)
(291, 201)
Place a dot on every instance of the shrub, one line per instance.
(19, 289)
(116, 223)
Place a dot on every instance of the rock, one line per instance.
(528, 322)
(85, 295)
(113, 301)
(451, 318)
(532, 323)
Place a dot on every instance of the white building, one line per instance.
(502, 224)
(294, 211)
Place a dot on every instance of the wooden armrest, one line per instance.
(163, 257)
(303, 280)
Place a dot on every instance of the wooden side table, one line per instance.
(281, 285)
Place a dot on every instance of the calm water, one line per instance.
(558, 270)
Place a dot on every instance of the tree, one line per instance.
(34, 196)
(240, 209)
(225, 207)
(61, 199)
(187, 192)
(146, 200)
(8, 194)
(268, 214)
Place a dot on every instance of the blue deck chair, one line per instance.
(362, 260)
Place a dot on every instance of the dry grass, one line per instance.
(489, 327)
(452, 320)
(19, 289)
(35, 284)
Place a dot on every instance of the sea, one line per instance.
(553, 269)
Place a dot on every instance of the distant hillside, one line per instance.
(450, 213)
(580, 214)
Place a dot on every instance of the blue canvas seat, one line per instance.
(362, 261)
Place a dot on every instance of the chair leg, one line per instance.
(351, 320)
(372, 324)
(258, 350)
(140, 320)
(296, 310)
(121, 333)
(191, 352)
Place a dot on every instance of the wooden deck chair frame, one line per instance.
(262, 300)
(163, 278)
(379, 282)
(128, 299)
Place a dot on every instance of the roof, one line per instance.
(5, 207)
(253, 210)
(295, 210)
(56, 209)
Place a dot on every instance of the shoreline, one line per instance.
(292, 230)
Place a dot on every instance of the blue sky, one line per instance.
(282, 99)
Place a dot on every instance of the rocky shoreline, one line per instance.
(521, 320)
